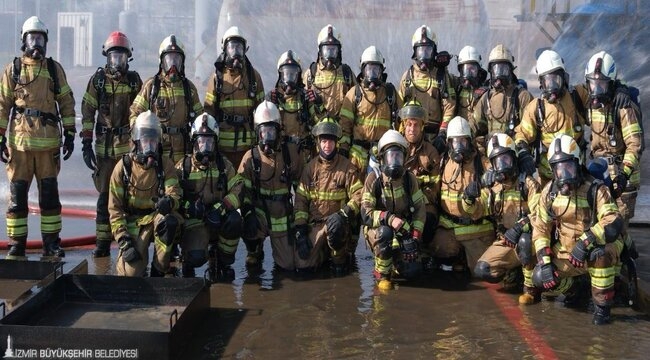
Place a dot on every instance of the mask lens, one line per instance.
(172, 59)
(117, 59)
(330, 52)
(394, 157)
(205, 144)
(235, 49)
(469, 71)
(503, 163)
(372, 71)
(459, 144)
(552, 82)
(424, 53)
(598, 86)
(289, 74)
(267, 134)
(500, 70)
(34, 39)
(566, 172)
(148, 145)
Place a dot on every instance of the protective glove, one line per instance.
(314, 98)
(88, 153)
(68, 144)
(215, 215)
(4, 152)
(622, 97)
(440, 142)
(335, 224)
(621, 182)
(581, 249)
(274, 96)
(472, 192)
(409, 248)
(195, 209)
(526, 162)
(597, 252)
(129, 253)
(303, 245)
(512, 235)
(548, 275)
(489, 178)
(164, 205)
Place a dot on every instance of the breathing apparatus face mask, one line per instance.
(469, 75)
(567, 175)
(289, 78)
(329, 56)
(147, 149)
(393, 162)
(267, 138)
(460, 149)
(552, 86)
(424, 56)
(35, 45)
(235, 54)
(500, 75)
(372, 74)
(117, 62)
(172, 64)
(204, 147)
(505, 166)
(599, 91)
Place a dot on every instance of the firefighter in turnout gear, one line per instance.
(423, 161)
(369, 109)
(109, 93)
(464, 231)
(500, 109)
(556, 111)
(429, 82)
(211, 197)
(233, 92)
(471, 83)
(296, 105)
(172, 97)
(327, 199)
(577, 230)
(328, 77)
(270, 170)
(36, 110)
(143, 201)
(393, 212)
(513, 202)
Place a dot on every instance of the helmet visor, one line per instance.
(235, 49)
(34, 39)
(117, 59)
(500, 70)
(267, 133)
(566, 172)
(552, 82)
(424, 53)
(469, 71)
(172, 59)
(329, 52)
(598, 87)
(289, 74)
(394, 157)
(372, 72)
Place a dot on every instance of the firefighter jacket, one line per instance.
(326, 186)
(562, 220)
(439, 100)
(468, 220)
(331, 85)
(384, 197)
(216, 182)
(169, 101)
(231, 97)
(297, 121)
(268, 181)
(512, 201)
(536, 131)
(109, 98)
(423, 160)
(499, 111)
(34, 121)
(467, 102)
(133, 194)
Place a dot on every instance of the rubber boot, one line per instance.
(187, 271)
(531, 295)
(225, 273)
(579, 293)
(52, 246)
(155, 273)
(601, 314)
(383, 281)
(102, 249)
(255, 253)
(17, 250)
(513, 280)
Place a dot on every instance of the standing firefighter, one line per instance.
(211, 197)
(143, 199)
(328, 197)
(471, 83)
(172, 97)
(37, 107)
(270, 171)
(577, 224)
(328, 77)
(393, 212)
(109, 93)
(429, 82)
(234, 90)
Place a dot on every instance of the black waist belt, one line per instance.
(102, 130)
(235, 120)
(364, 144)
(48, 118)
(431, 129)
(172, 130)
(463, 220)
(282, 197)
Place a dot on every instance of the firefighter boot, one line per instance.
(601, 314)
(155, 272)
(17, 249)
(52, 246)
(255, 253)
(187, 270)
(383, 281)
(531, 295)
(102, 249)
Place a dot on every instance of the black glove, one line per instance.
(548, 276)
(512, 235)
(314, 98)
(335, 224)
(215, 215)
(581, 249)
(489, 178)
(472, 192)
(303, 245)
(597, 252)
(622, 97)
(526, 162)
(68, 144)
(409, 248)
(440, 142)
(88, 153)
(195, 209)
(621, 183)
(164, 205)
(344, 152)
(4, 152)
(129, 253)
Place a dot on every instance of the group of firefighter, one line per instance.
(465, 176)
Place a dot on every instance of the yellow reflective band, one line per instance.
(271, 192)
(200, 175)
(90, 100)
(233, 200)
(383, 266)
(171, 182)
(50, 223)
(374, 122)
(279, 225)
(327, 78)
(602, 278)
(303, 192)
(301, 215)
(16, 227)
(231, 104)
(32, 142)
(632, 129)
(161, 244)
(542, 242)
(355, 186)
(119, 150)
(292, 105)
(345, 113)
(605, 209)
(333, 195)
(564, 285)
